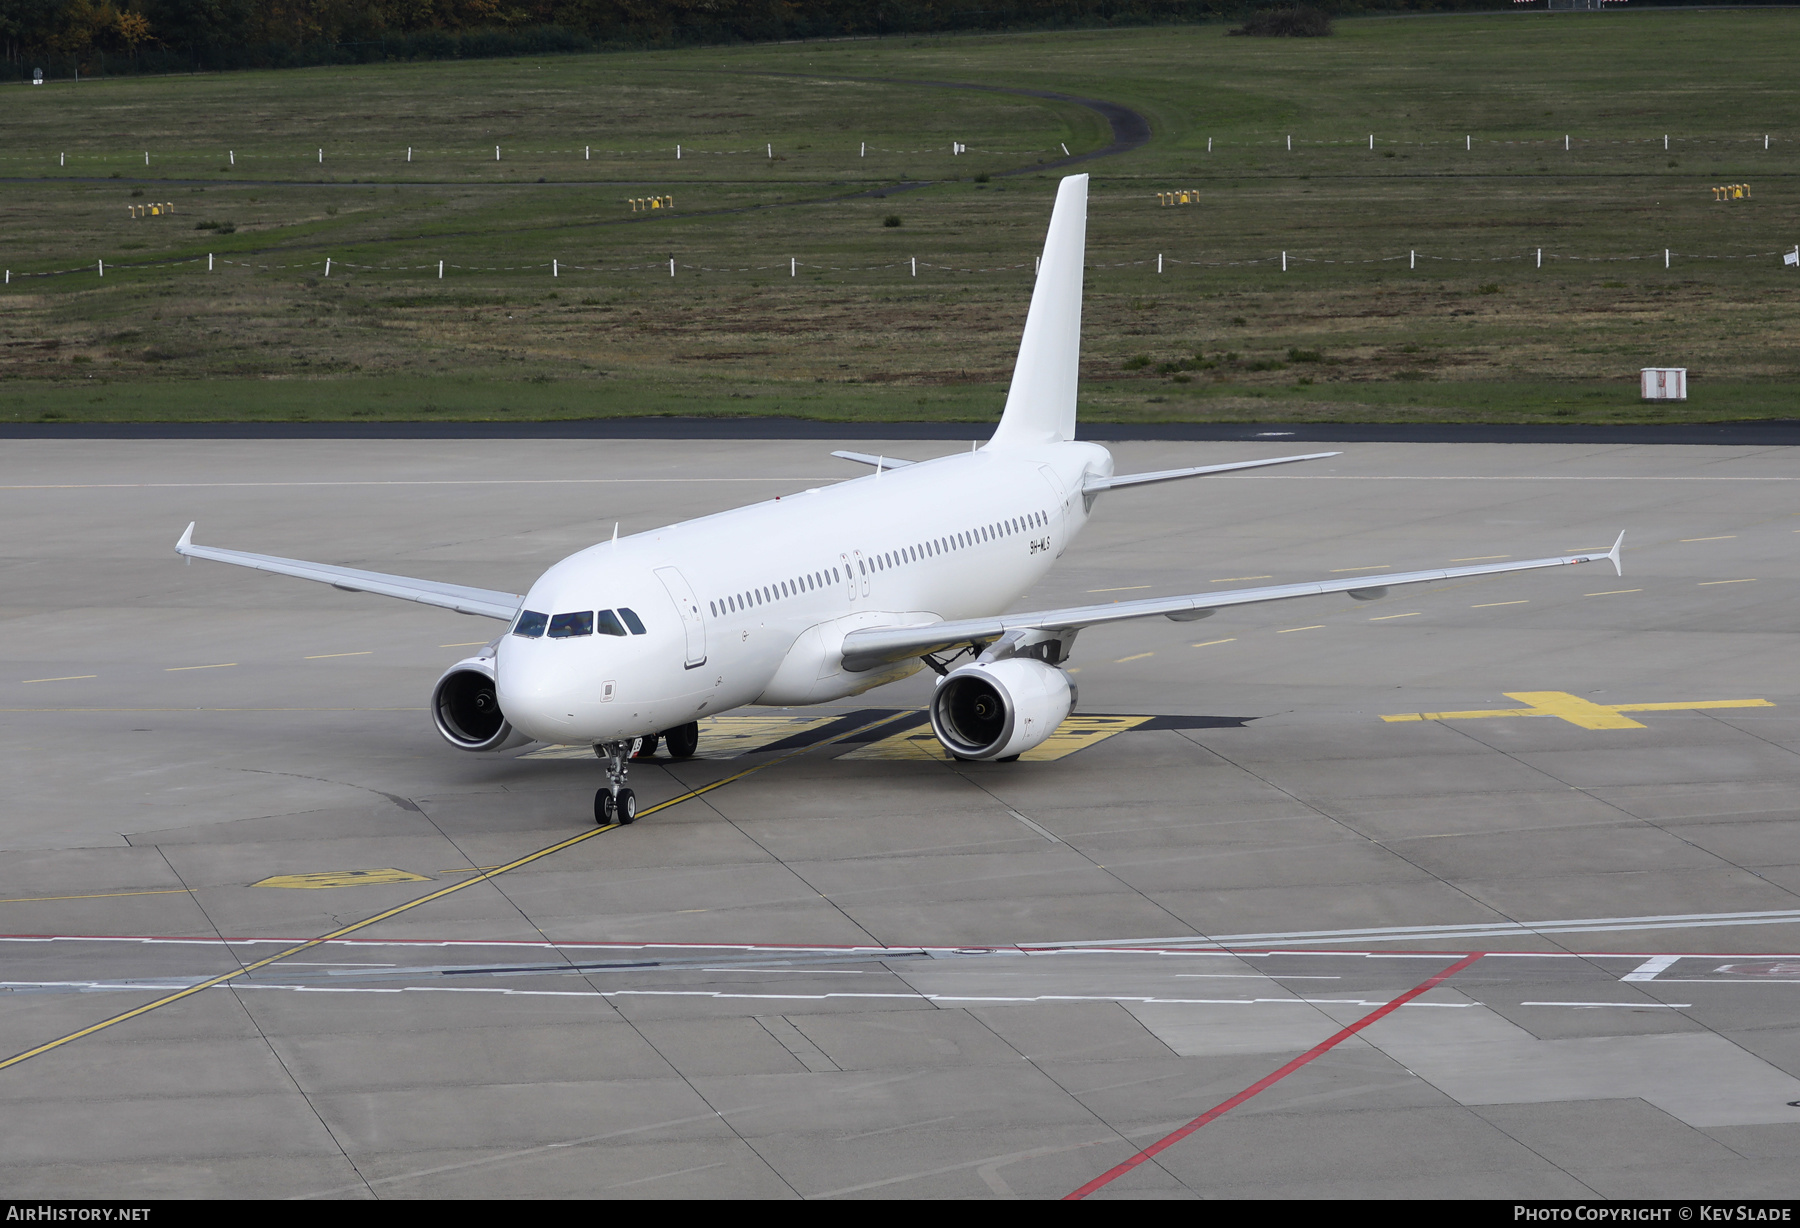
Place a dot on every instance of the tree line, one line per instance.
(105, 37)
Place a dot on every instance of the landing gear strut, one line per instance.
(614, 803)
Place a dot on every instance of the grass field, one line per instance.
(1469, 171)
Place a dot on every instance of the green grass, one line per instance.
(1476, 332)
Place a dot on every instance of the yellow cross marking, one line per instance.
(1075, 733)
(1578, 711)
(341, 878)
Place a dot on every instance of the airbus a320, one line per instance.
(820, 596)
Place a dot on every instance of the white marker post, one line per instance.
(409, 153)
(440, 270)
(1540, 262)
(1412, 259)
(587, 153)
(1065, 149)
(553, 268)
(671, 266)
(915, 266)
(328, 266)
(1158, 262)
(1468, 144)
(678, 153)
(865, 150)
(1209, 144)
(209, 257)
(793, 267)
(1665, 257)
(496, 153)
(321, 157)
(1371, 141)
(1290, 141)
(771, 152)
(1665, 142)
(232, 154)
(62, 159)
(1284, 262)
(103, 268)
(146, 157)
(1765, 142)
(1565, 142)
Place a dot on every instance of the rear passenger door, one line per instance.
(692, 624)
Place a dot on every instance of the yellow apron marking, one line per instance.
(1075, 733)
(440, 893)
(1705, 583)
(721, 737)
(1578, 711)
(341, 878)
(101, 895)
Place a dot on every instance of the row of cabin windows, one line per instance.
(810, 582)
(881, 562)
(531, 624)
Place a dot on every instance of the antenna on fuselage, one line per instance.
(615, 535)
(880, 463)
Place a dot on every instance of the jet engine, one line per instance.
(999, 709)
(465, 706)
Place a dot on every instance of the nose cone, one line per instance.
(539, 690)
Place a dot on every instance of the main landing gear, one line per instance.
(614, 803)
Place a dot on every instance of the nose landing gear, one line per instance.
(614, 803)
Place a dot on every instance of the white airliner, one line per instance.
(823, 595)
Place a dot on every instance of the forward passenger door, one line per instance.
(682, 594)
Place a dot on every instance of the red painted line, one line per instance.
(1267, 1081)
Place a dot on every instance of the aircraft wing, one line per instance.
(464, 600)
(867, 648)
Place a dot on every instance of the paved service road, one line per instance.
(854, 968)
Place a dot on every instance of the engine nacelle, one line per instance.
(465, 706)
(1000, 709)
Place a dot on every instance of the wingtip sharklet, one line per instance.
(187, 538)
(1613, 555)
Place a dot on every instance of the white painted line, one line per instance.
(1636, 1006)
(1435, 933)
(720, 995)
(1210, 643)
(1383, 618)
(1647, 970)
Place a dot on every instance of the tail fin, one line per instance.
(1040, 406)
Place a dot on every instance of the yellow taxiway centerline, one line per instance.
(440, 893)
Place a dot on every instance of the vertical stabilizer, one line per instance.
(1040, 406)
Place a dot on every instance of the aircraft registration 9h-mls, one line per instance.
(826, 594)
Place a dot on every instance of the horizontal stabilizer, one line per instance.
(1094, 486)
(485, 602)
(878, 462)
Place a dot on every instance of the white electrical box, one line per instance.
(1665, 383)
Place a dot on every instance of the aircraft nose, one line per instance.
(537, 692)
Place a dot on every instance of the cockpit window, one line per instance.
(531, 624)
(563, 626)
(607, 623)
(632, 620)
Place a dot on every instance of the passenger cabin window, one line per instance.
(607, 623)
(531, 624)
(567, 626)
